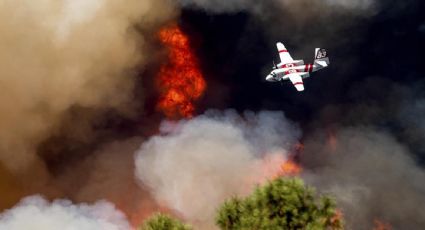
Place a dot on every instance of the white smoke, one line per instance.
(39, 214)
(194, 165)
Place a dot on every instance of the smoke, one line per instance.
(194, 165)
(109, 173)
(261, 7)
(400, 107)
(68, 66)
(374, 170)
(37, 213)
(371, 175)
(58, 55)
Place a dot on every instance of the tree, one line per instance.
(280, 204)
(163, 222)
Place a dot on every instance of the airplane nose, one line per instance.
(269, 77)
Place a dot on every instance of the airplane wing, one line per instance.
(297, 80)
(285, 57)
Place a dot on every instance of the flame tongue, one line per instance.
(381, 225)
(290, 168)
(180, 81)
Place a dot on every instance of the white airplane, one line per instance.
(296, 70)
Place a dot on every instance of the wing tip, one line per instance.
(280, 45)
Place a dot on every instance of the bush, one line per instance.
(164, 222)
(280, 204)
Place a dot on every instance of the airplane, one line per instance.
(296, 70)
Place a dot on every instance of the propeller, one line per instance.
(274, 65)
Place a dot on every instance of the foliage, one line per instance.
(163, 222)
(280, 204)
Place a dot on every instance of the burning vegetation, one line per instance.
(291, 168)
(381, 225)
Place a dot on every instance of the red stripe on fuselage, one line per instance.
(291, 71)
(289, 65)
(298, 83)
(283, 51)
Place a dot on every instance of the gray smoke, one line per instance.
(261, 7)
(37, 213)
(108, 173)
(371, 175)
(193, 166)
(374, 170)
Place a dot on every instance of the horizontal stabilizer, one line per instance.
(322, 62)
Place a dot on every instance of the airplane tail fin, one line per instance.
(321, 57)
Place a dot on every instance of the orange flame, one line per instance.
(180, 81)
(380, 225)
(336, 220)
(332, 140)
(290, 168)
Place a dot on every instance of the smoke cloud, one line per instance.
(193, 166)
(109, 173)
(371, 175)
(37, 213)
(57, 55)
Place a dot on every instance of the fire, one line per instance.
(180, 81)
(380, 225)
(272, 166)
(336, 220)
(290, 168)
(332, 140)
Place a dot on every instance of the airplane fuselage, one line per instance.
(282, 70)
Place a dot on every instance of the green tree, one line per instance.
(280, 204)
(163, 222)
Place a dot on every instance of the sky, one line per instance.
(82, 140)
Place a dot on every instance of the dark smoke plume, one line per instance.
(371, 174)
